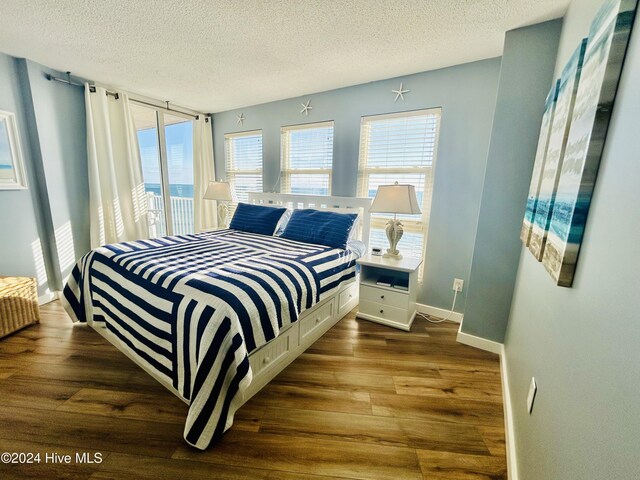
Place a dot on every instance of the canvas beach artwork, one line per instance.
(608, 39)
(11, 168)
(538, 164)
(555, 150)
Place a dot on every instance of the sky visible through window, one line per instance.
(243, 159)
(400, 147)
(308, 159)
(179, 159)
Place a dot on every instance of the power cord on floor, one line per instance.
(427, 317)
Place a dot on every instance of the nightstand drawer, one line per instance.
(384, 297)
(397, 315)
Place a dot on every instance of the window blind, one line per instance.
(243, 159)
(400, 147)
(307, 158)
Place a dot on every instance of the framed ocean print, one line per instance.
(604, 57)
(538, 164)
(12, 175)
(567, 90)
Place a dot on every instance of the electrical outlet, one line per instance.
(458, 283)
(533, 388)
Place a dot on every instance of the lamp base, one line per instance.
(394, 233)
(223, 213)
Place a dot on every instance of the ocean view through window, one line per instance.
(306, 158)
(243, 164)
(166, 152)
(400, 147)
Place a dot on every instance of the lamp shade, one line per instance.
(396, 199)
(218, 191)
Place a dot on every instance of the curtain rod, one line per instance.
(92, 89)
(66, 81)
(167, 108)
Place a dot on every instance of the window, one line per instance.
(165, 141)
(400, 147)
(243, 157)
(307, 158)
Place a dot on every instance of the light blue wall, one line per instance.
(61, 125)
(582, 343)
(467, 95)
(528, 61)
(54, 210)
(19, 235)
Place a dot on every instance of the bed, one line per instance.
(214, 316)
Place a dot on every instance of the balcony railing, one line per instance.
(181, 214)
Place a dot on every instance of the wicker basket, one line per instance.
(18, 304)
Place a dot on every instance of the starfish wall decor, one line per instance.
(400, 93)
(306, 107)
(241, 119)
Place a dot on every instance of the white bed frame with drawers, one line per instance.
(269, 360)
(273, 357)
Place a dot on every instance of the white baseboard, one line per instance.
(512, 462)
(48, 297)
(478, 342)
(495, 347)
(439, 312)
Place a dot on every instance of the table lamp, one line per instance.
(396, 199)
(221, 192)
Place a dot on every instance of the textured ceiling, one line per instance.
(214, 55)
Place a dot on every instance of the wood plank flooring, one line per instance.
(364, 402)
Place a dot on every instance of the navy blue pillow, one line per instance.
(256, 218)
(320, 227)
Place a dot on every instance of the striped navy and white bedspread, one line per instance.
(191, 308)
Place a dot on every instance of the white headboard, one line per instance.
(297, 201)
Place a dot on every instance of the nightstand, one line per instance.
(387, 304)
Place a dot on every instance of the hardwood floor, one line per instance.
(364, 402)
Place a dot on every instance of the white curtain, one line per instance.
(117, 201)
(203, 172)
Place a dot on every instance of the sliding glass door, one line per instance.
(166, 150)
(178, 138)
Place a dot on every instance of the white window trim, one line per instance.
(286, 171)
(230, 171)
(410, 226)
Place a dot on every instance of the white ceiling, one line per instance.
(215, 55)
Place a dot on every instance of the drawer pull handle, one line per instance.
(350, 295)
(317, 320)
(266, 360)
(381, 311)
(382, 297)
